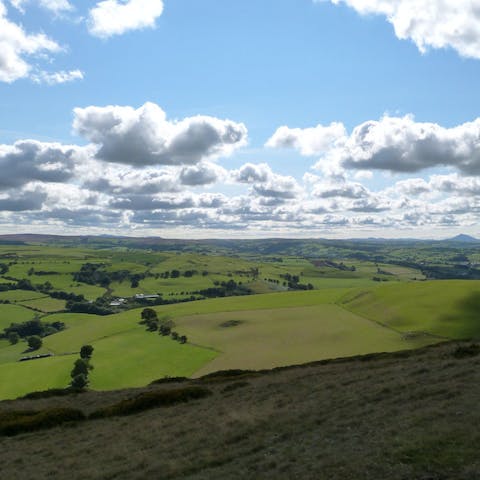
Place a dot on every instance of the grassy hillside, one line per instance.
(358, 304)
(10, 313)
(447, 308)
(410, 415)
(259, 331)
(256, 339)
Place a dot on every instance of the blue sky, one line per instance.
(227, 75)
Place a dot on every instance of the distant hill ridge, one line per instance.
(464, 239)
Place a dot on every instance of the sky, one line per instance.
(240, 119)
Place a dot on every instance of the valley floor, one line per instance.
(404, 415)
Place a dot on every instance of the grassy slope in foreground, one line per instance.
(403, 416)
(447, 308)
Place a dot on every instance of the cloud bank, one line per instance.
(142, 172)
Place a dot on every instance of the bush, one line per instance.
(13, 338)
(463, 351)
(34, 342)
(227, 375)
(15, 422)
(80, 381)
(51, 392)
(165, 330)
(80, 367)
(86, 351)
(164, 380)
(149, 400)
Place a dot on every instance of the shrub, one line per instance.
(80, 367)
(13, 338)
(15, 422)
(463, 351)
(51, 392)
(34, 342)
(86, 351)
(79, 382)
(164, 380)
(165, 330)
(226, 375)
(149, 400)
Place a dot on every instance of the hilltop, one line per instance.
(464, 239)
(398, 416)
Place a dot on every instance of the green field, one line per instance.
(448, 308)
(356, 306)
(45, 304)
(20, 295)
(276, 329)
(261, 339)
(13, 314)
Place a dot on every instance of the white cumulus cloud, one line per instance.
(144, 136)
(309, 141)
(429, 23)
(17, 47)
(115, 17)
(400, 144)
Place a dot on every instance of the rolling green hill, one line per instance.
(448, 308)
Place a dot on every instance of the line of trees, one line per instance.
(150, 319)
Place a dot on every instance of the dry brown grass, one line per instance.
(396, 416)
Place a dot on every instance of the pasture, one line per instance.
(262, 339)
(45, 304)
(356, 306)
(259, 331)
(447, 308)
(10, 313)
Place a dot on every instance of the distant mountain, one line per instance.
(464, 239)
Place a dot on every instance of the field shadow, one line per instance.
(231, 323)
(465, 322)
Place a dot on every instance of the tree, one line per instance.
(86, 351)
(165, 330)
(183, 339)
(13, 338)
(34, 342)
(152, 325)
(79, 382)
(148, 314)
(80, 367)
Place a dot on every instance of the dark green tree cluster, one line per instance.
(150, 319)
(81, 368)
(293, 282)
(31, 328)
(95, 274)
(34, 342)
